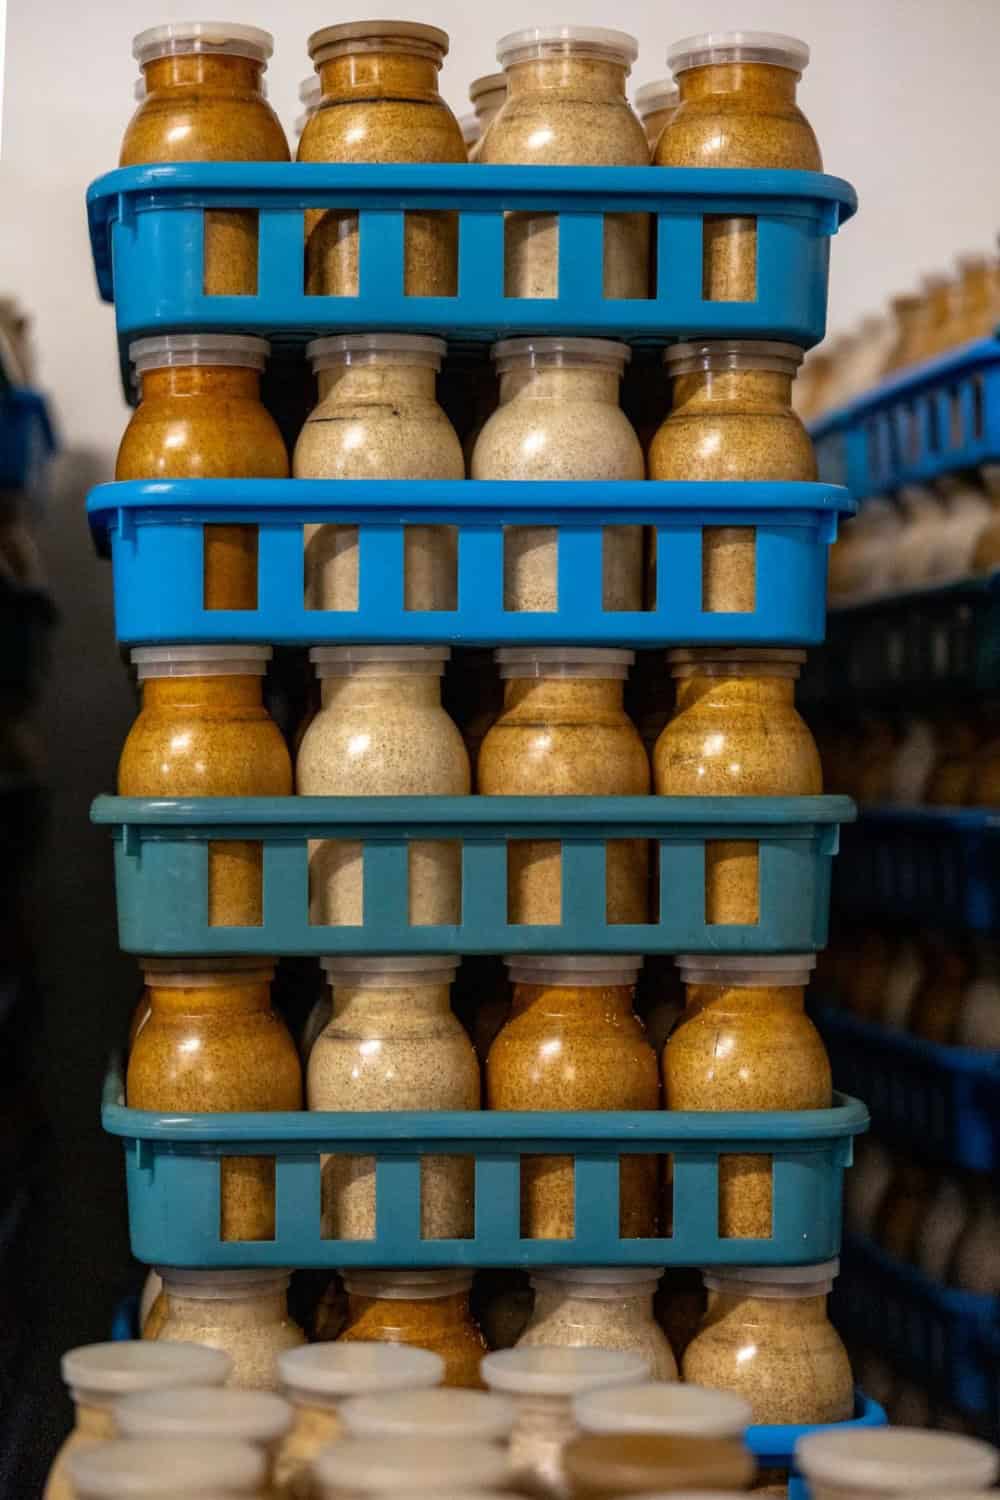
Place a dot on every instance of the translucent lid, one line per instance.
(407, 1286)
(139, 89)
(732, 354)
(182, 973)
(774, 970)
(225, 37)
(780, 1283)
(738, 46)
(489, 83)
(128, 1467)
(888, 1460)
(389, 973)
(667, 1407)
(224, 1286)
(376, 1465)
(661, 93)
(735, 661)
(257, 1417)
(563, 661)
(545, 1371)
(584, 970)
(310, 92)
(378, 36)
(200, 661)
(581, 41)
(171, 349)
(330, 1372)
(455, 1414)
(551, 351)
(99, 1374)
(598, 1283)
(369, 348)
(373, 661)
(471, 129)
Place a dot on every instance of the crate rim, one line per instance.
(940, 593)
(982, 820)
(776, 1442)
(976, 1061)
(944, 369)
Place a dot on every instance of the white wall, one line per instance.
(903, 95)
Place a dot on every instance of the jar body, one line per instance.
(91, 1425)
(313, 1427)
(732, 424)
(441, 1324)
(252, 1330)
(625, 1321)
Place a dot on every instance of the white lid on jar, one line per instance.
(407, 1286)
(168, 350)
(226, 38)
(256, 1417)
(183, 973)
(377, 1465)
(370, 348)
(775, 1283)
(310, 92)
(550, 1371)
(391, 973)
(738, 46)
(455, 1414)
(775, 970)
(200, 661)
(735, 661)
(471, 129)
(661, 93)
(127, 1467)
(666, 1408)
(522, 662)
(100, 1374)
(550, 351)
(888, 1460)
(488, 83)
(326, 1374)
(374, 661)
(351, 37)
(223, 1286)
(732, 354)
(578, 41)
(581, 970)
(598, 1283)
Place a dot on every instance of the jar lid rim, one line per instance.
(204, 1411)
(394, 964)
(227, 37)
(656, 94)
(605, 351)
(337, 38)
(691, 353)
(544, 655)
(777, 1276)
(333, 348)
(708, 47)
(451, 1413)
(354, 1369)
(242, 350)
(620, 46)
(487, 83)
(310, 89)
(561, 1371)
(225, 1282)
(122, 1366)
(382, 1463)
(906, 1454)
(663, 1407)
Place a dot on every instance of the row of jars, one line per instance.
(914, 761)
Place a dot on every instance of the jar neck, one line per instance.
(548, 1418)
(232, 381)
(570, 75)
(725, 1307)
(402, 690)
(203, 692)
(702, 998)
(743, 388)
(610, 1000)
(435, 1314)
(379, 75)
(94, 1421)
(235, 997)
(762, 81)
(753, 685)
(559, 383)
(382, 380)
(209, 70)
(579, 695)
(411, 1003)
(619, 1305)
(235, 1312)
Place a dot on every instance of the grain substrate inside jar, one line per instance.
(729, 569)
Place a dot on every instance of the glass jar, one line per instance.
(967, 514)
(318, 1379)
(486, 95)
(905, 310)
(932, 317)
(861, 558)
(767, 1337)
(603, 1466)
(380, 103)
(310, 93)
(869, 1463)
(600, 1308)
(244, 1313)
(919, 540)
(205, 101)
(903, 1209)
(259, 1418)
(317, 1021)
(866, 1185)
(566, 106)
(941, 1230)
(574, 1042)
(429, 1309)
(166, 1469)
(737, 109)
(358, 1467)
(735, 733)
(674, 1411)
(950, 781)
(979, 1008)
(974, 313)
(976, 1266)
(203, 731)
(542, 1383)
(913, 761)
(656, 104)
(200, 416)
(559, 418)
(382, 732)
(99, 1375)
(213, 1043)
(745, 1042)
(937, 1006)
(454, 1414)
(564, 732)
(394, 1044)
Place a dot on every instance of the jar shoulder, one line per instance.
(392, 749)
(524, 756)
(385, 441)
(723, 132)
(553, 130)
(383, 130)
(188, 754)
(230, 439)
(549, 439)
(199, 125)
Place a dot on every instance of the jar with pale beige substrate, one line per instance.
(244, 1313)
(566, 106)
(861, 565)
(451, 1414)
(260, 1418)
(428, 1309)
(913, 761)
(604, 1466)
(656, 104)
(486, 95)
(319, 1379)
(166, 1469)
(766, 1337)
(600, 1308)
(564, 732)
(380, 103)
(672, 1410)
(542, 1383)
(573, 1042)
(356, 1467)
(919, 540)
(559, 418)
(903, 1461)
(393, 1043)
(382, 732)
(378, 418)
(99, 1375)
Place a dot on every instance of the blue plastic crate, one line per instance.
(27, 440)
(774, 1446)
(155, 534)
(162, 859)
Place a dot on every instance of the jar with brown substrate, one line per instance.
(950, 780)
(205, 101)
(99, 1375)
(566, 106)
(937, 1006)
(382, 732)
(735, 733)
(213, 1043)
(598, 1307)
(394, 1044)
(656, 104)
(428, 1309)
(244, 1313)
(877, 1462)
(200, 416)
(486, 95)
(973, 310)
(203, 731)
(559, 418)
(358, 1468)
(903, 1209)
(378, 418)
(380, 103)
(745, 1042)
(767, 1337)
(976, 1266)
(259, 1418)
(167, 1469)
(574, 1042)
(564, 732)
(604, 1466)
(737, 109)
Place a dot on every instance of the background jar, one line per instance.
(213, 1043)
(656, 104)
(564, 732)
(766, 1337)
(573, 1042)
(380, 103)
(429, 1309)
(486, 95)
(559, 418)
(200, 416)
(378, 418)
(600, 1308)
(382, 732)
(388, 1467)
(602, 1467)
(205, 101)
(893, 1461)
(166, 1467)
(677, 1411)
(737, 109)
(394, 1044)
(454, 1415)
(244, 1313)
(259, 1418)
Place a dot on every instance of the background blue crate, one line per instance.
(774, 1446)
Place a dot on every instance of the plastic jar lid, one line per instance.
(374, 661)
(256, 1417)
(182, 973)
(732, 354)
(580, 41)
(662, 93)
(738, 46)
(659, 1406)
(776, 970)
(550, 1371)
(223, 37)
(778, 1283)
(890, 1460)
(378, 36)
(200, 661)
(735, 661)
(455, 1414)
(407, 1286)
(100, 1374)
(327, 1373)
(127, 1467)
(310, 91)
(166, 350)
(223, 1286)
(598, 1283)
(376, 1465)
(523, 662)
(470, 128)
(389, 973)
(139, 90)
(368, 348)
(489, 83)
(555, 351)
(579, 970)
